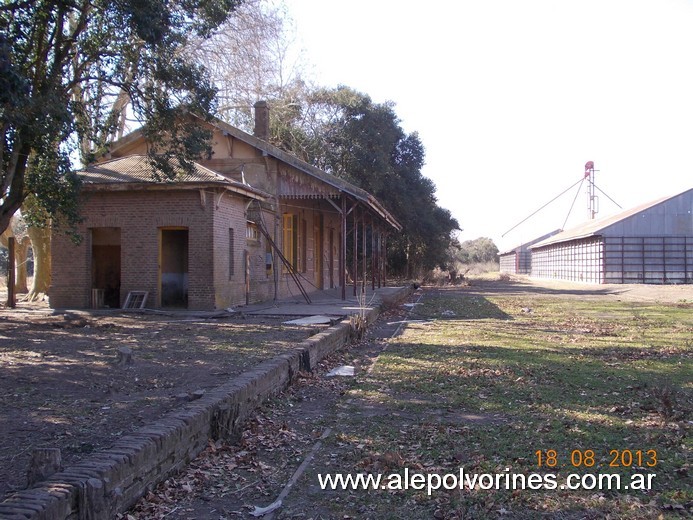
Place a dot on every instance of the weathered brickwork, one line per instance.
(212, 283)
(140, 215)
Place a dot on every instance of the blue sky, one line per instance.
(512, 98)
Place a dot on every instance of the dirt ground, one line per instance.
(622, 292)
(235, 481)
(231, 481)
(61, 385)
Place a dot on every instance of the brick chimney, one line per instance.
(261, 121)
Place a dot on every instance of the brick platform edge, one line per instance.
(112, 480)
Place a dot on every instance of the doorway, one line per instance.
(105, 264)
(317, 250)
(173, 267)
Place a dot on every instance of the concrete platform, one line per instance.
(327, 303)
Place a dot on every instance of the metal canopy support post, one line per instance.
(373, 256)
(356, 250)
(343, 243)
(380, 258)
(385, 260)
(364, 261)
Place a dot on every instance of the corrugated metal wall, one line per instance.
(516, 262)
(524, 261)
(507, 263)
(655, 260)
(574, 260)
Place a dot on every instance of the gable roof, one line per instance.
(526, 245)
(268, 149)
(595, 227)
(137, 171)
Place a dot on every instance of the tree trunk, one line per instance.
(21, 253)
(41, 245)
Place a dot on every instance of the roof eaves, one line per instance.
(556, 239)
(335, 182)
(269, 149)
(241, 189)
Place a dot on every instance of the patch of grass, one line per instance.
(507, 377)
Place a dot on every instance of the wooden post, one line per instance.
(11, 303)
(44, 463)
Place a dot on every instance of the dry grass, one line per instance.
(497, 378)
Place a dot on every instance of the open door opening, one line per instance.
(105, 266)
(173, 265)
(317, 251)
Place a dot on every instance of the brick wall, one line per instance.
(139, 215)
(229, 285)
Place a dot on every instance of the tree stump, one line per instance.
(44, 463)
(124, 356)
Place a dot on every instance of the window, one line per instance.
(295, 241)
(232, 263)
(251, 231)
(302, 246)
(289, 238)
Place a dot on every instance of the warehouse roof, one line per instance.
(526, 245)
(595, 227)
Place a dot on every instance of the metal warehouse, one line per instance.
(518, 260)
(651, 243)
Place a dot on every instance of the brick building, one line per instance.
(250, 224)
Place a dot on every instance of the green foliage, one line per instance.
(479, 250)
(345, 133)
(67, 72)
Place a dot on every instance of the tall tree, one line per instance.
(61, 61)
(480, 249)
(346, 134)
(252, 57)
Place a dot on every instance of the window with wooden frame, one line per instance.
(302, 246)
(290, 239)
